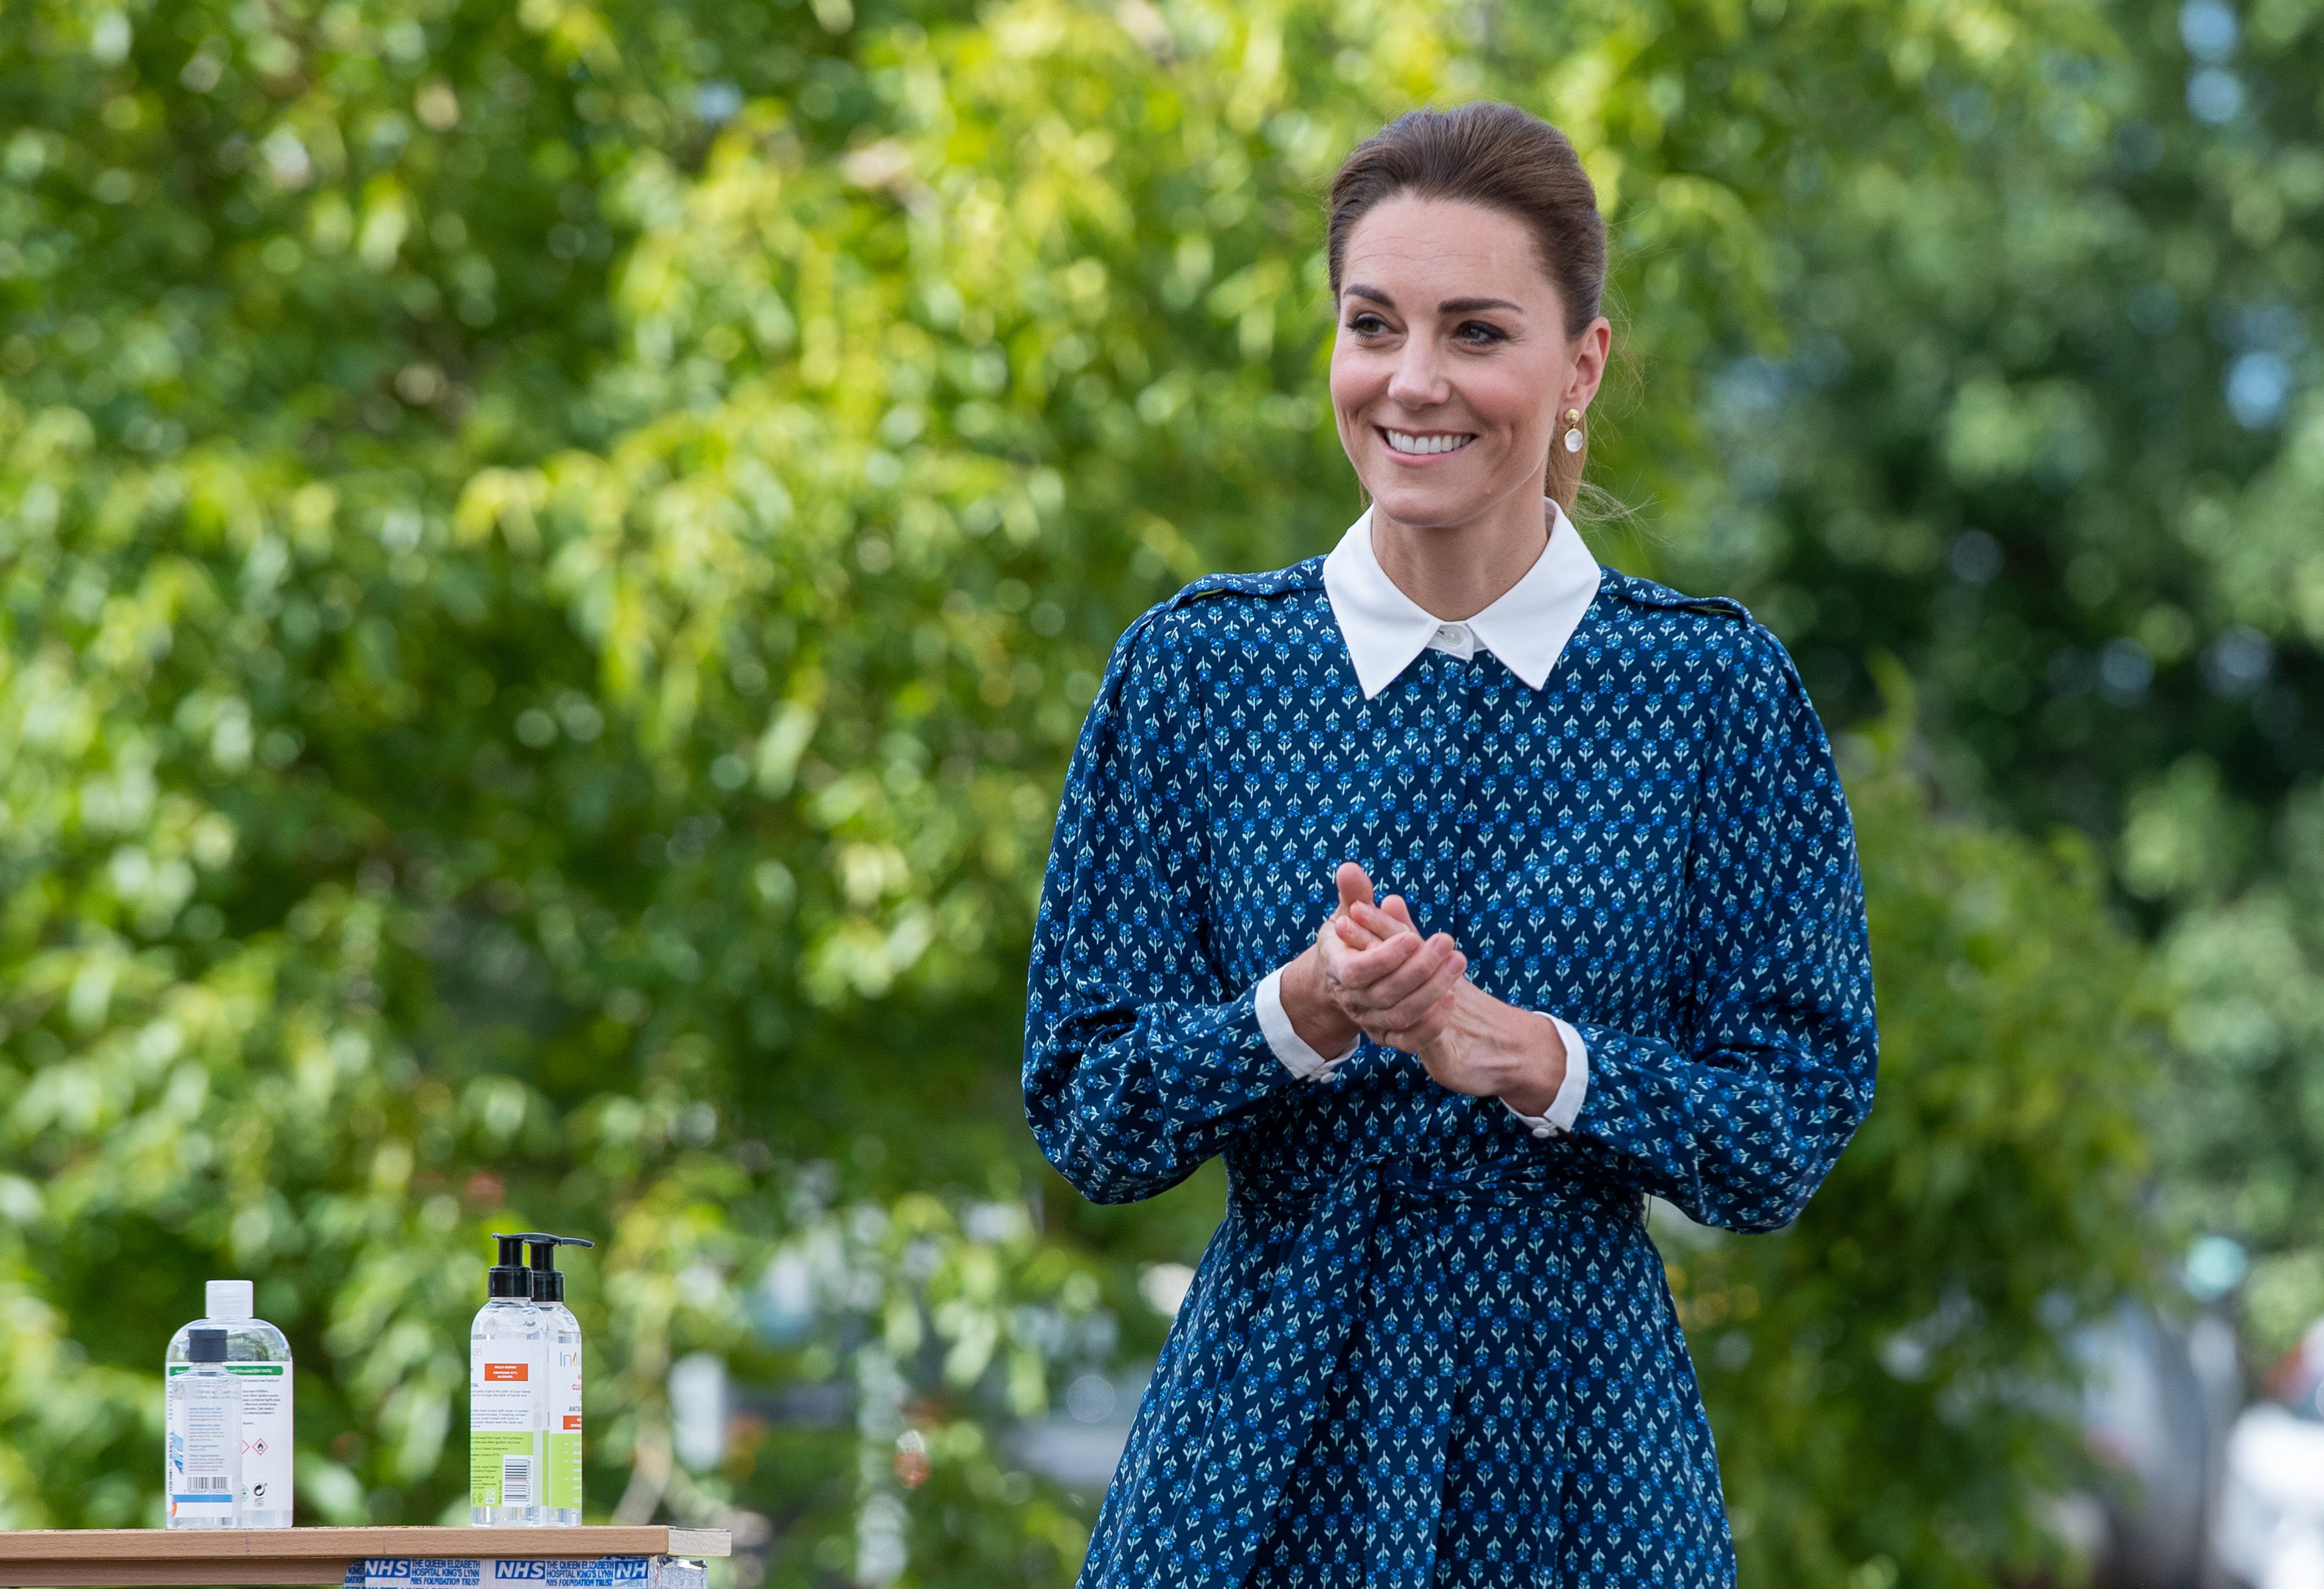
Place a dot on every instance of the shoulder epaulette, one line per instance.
(1649, 594)
(1716, 607)
(1299, 576)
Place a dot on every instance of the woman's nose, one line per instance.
(1419, 378)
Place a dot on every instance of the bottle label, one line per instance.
(201, 1451)
(266, 1432)
(561, 1478)
(504, 1393)
(499, 1469)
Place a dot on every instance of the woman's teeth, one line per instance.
(1406, 441)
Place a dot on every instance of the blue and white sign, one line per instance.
(470, 1572)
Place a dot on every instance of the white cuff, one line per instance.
(1289, 1047)
(1566, 1108)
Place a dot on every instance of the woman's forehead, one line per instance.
(1444, 246)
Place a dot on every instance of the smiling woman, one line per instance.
(1624, 954)
(1467, 267)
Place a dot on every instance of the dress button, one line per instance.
(1540, 1131)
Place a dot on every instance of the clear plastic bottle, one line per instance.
(259, 1356)
(202, 1473)
(507, 1374)
(560, 1470)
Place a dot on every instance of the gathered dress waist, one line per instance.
(1276, 1193)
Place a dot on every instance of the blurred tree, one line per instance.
(2043, 420)
(549, 561)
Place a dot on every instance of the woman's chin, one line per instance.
(1426, 503)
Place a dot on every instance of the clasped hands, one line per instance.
(1370, 971)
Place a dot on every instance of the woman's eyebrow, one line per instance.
(1451, 306)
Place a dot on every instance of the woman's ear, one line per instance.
(1590, 351)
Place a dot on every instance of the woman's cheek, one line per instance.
(1512, 399)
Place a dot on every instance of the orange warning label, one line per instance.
(506, 1371)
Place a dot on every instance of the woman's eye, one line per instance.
(1366, 325)
(1478, 332)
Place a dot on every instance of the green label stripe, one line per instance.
(271, 1370)
(562, 1485)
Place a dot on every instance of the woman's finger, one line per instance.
(1426, 963)
(1425, 996)
(1423, 1032)
(1362, 969)
(1381, 923)
(1370, 958)
(1341, 934)
(1355, 885)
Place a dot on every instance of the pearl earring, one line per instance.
(1573, 430)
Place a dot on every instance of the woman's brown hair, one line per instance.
(1497, 157)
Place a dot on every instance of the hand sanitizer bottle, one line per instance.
(506, 1409)
(204, 1436)
(256, 1354)
(560, 1484)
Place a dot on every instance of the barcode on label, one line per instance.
(198, 1483)
(516, 1480)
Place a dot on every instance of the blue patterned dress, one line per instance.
(1426, 1347)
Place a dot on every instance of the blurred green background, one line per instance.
(551, 557)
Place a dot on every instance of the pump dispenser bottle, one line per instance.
(507, 1374)
(560, 1471)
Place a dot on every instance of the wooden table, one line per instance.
(191, 1557)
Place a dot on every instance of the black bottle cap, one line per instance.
(206, 1346)
(509, 1277)
(547, 1284)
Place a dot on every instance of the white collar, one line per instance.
(1526, 627)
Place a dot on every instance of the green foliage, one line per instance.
(2044, 423)
(2244, 1121)
(549, 560)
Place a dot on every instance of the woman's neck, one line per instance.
(1455, 572)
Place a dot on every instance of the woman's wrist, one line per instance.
(1539, 1060)
(1319, 1023)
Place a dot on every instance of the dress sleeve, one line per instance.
(1139, 1061)
(1738, 1124)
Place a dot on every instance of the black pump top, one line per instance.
(206, 1346)
(509, 1277)
(547, 1284)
